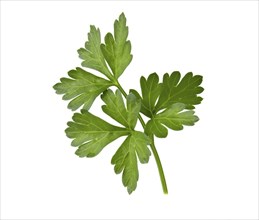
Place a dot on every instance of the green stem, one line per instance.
(152, 145)
(159, 165)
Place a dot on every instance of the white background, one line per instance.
(211, 168)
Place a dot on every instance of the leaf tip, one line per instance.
(55, 87)
(129, 190)
(196, 118)
(122, 17)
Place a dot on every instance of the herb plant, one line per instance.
(167, 104)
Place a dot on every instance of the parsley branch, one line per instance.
(168, 104)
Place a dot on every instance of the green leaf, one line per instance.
(150, 89)
(117, 50)
(183, 91)
(125, 158)
(91, 133)
(157, 96)
(155, 127)
(83, 88)
(116, 109)
(173, 117)
(92, 54)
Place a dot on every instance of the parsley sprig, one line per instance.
(167, 104)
